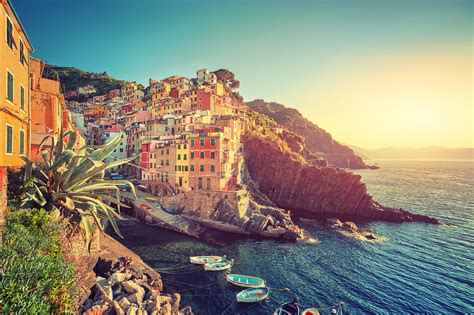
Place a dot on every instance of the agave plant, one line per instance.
(71, 183)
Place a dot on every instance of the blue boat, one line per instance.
(253, 295)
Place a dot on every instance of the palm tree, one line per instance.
(70, 183)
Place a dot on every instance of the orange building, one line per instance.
(15, 49)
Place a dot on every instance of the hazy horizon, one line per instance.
(388, 74)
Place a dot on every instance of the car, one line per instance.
(141, 187)
(125, 188)
(135, 181)
(145, 207)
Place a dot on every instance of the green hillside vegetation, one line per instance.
(72, 78)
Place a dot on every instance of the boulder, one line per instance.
(350, 227)
(132, 310)
(124, 303)
(97, 309)
(175, 300)
(136, 298)
(117, 289)
(334, 222)
(186, 311)
(119, 277)
(132, 287)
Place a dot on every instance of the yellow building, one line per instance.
(182, 166)
(15, 49)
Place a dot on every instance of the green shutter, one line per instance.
(22, 97)
(10, 86)
(9, 139)
(9, 33)
(22, 142)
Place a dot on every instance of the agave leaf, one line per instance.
(69, 203)
(72, 140)
(102, 153)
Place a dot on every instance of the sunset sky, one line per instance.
(372, 73)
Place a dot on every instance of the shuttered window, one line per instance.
(9, 139)
(22, 53)
(22, 142)
(9, 33)
(22, 97)
(9, 86)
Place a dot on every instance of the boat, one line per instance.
(310, 311)
(168, 211)
(151, 199)
(290, 308)
(201, 260)
(245, 281)
(218, 266)
(253, 295)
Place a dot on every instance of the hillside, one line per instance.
(426, 153)
(317, 140)
(72, 78)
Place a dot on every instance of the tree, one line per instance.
(71, 183)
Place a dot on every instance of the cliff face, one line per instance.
(310, 190)
(318, 141)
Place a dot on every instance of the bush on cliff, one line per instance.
(34, 279)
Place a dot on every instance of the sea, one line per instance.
(419, 268)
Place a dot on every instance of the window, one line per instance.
(213, 141)
(192, 168)
(22, 97)
(201, 155)
(9, 33)
(9, 139)
(179, 156)
(213, 155)
(200, 183)
(185, 157)
(208, 184)
(179, 146)
(22, 142)
(162, 152)
(9, 86)
(201, 142)
(186, 168)
(151, 165)
(167, 151)
(192, 155)
(185, 146)
(201, 168)
(22, 53)
(192, 143)
(212, 168)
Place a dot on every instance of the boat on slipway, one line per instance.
(245, 281)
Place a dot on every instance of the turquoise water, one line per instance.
(420, 269)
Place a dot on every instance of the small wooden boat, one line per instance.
(245, 281)
(218, 266)
(310, 311)
(288, 309)
(169, 211)
(253, 295)
(201, 260)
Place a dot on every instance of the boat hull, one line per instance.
(245, 281)
(218, 266)
(310, 311)
(201, 260)
(252, 295)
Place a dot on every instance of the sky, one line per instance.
(374, 73)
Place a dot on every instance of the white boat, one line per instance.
(245, 281)
(218, 266)
(201, 260)
(253, 295)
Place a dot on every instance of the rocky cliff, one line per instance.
(279, 170)
(318, 141)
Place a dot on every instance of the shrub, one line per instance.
(34, 277)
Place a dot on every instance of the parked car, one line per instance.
(145, 207)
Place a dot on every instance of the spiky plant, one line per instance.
(70, 183)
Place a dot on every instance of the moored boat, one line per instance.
(201, 260)
(245, 281)
(290, 308)
(218, 266)
(310, 311)
(253, 295)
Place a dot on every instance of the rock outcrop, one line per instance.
(310, 190)
(318, 141)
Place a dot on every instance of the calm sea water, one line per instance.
(420, 269)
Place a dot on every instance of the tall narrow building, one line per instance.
(15, 49)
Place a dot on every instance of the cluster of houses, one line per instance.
(184, 132)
